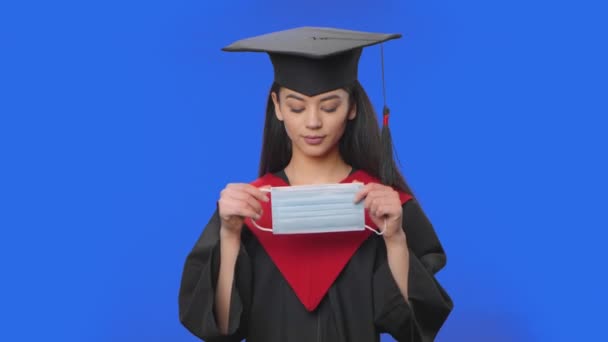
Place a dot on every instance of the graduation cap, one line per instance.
(314, 60)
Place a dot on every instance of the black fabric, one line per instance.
(312, 60)
(363, 302)
(312, 76)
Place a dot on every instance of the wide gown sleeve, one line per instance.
(420, 318)
(198, 283)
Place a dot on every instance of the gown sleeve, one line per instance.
(198, 283)
(421, 317)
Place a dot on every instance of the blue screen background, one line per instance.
(121, 121)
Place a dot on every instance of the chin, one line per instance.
(315, 151)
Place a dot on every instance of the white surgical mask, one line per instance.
(324, 208)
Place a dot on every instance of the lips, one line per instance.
(313, 139)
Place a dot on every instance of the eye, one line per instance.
(296, 110)
(330, 110)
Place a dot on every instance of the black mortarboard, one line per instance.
(313, 60)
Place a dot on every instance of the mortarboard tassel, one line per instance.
(387, 162)
(388, 168)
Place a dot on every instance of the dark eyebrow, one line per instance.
(294, 97)
(330, 97)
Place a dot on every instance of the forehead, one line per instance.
(341, 93)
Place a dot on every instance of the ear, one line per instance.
(277, 106)
(352, 113)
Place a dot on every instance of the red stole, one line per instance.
(310, 263)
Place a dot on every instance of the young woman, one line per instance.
(240, 282)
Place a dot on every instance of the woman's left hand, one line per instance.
(383, 205)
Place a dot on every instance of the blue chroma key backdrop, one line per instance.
(121, 121)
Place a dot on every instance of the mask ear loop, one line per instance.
(375, 231)
(260, 227)
(256, 224)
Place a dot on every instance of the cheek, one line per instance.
(290, 126)
(337, 126)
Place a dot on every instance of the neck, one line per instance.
(303, 169)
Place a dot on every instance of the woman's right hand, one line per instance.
(238, 201)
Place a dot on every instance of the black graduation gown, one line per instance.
(363, 302)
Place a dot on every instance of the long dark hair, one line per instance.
(360, 146)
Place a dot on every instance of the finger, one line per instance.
(243, 194)
(373, 208)
(250, 189)
(390, 211)
(242, 211)
(363, 193)
(242, 198)
(373, 204)
(385, 210)
(254, 204)
(232, 206)
(360, 195)
(375, 194)
(255, 192)
(384, 192)
(372, 197)
(394, 195)
(249, 212)
(265, 188)
(382, 206)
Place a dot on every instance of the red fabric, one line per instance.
(385, 120)
(310, 263)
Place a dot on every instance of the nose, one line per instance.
(313, 120)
